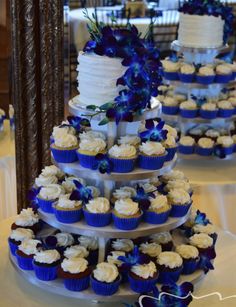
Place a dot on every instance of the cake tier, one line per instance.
(200, 31)
(97, 77)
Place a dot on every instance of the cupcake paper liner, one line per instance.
(172, 76)
(179, 210)
(208, 114)
(186, 150)
(170, 110)
(186, 78)
(46, 205)
(205, 79)
(45, 273)
(79, 284)
(24, 263)
(141, 286)
(170, 153)
(208, 252)
(97, 219)
(63, 155)
(13, 247)
(86, 161)
(165, 277)
(234, 75)
(225, 113)
(223, 78)
(151, 163)
(103, 288)
(188, 113)
(126, 223)
(152, 217)
(68, 216)
(190, 266)
(204, 151)
(234, 111)
(123, 165)
(228, 150)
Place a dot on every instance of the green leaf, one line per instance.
(106, 106)
(91, 107)
(104, 121)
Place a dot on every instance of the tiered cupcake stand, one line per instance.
(107, 182)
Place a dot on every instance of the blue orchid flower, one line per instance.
(205, 263)
(133, 258)
(32, 197)
(143, 198)
(174, 57)
(76, 122)
(50, 242)
(201, 218)
(122, 110)
(219, 152)
(154, 132)
(103, 164)
(81, 192)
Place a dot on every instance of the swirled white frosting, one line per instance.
(205, 143)
(223, 69)
(94, 190)
(91, 243)
(188, 105)
(209, 229)
(69, 185)
(232, 100)
(225, 104)
(92, 135)
(126, 207)
(206, 71)
(47, 256)
(232, 93)
(196, 131)
(225, 141)
(163, 88)
(187, 251)
(170, 66)
(66, 141)
(173, 175)
(94, 145)
(159, 203)
(170, 259)
(74, 265)
(64, 239)
(29, 246)
(180, 97)
(144, 270)
(171, 131)
(65, 202)
(186, 68)
(113, 258)
(20, 234)
(161, 238)
(169, 142)
(209, 106)
(76, 251)
(155, 181)
(27, 217)
(124, 245)
(52, 170)
(124, 192)
(148, 187)
(178, 184)
(106, 272)
(2, 112)
(133, 140)
(98, 205)
(170, 102)
(179, 196)
(122, 151)
(60, 131)
(187, 141)
(234, 138)
(43, 181)
(51, 192)
(212, 133)
(152, 148)
(201, 240)
(151, 249)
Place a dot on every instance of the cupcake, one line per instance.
(105, 279)
(53, 170)
(208, 229)
(205, 147)
(91, 244)
(209, 110)
(227, 144)
(178, 184)
(212, 134)
(48, 196)
(232, 100)
(188, 109)
(88, 149)
(180, 97)
(204, 243)
(91, 134)
(66, 210)
(75, 274)
(69, 185)
(132, 140)
(180, 201)
(170, 266)
(148, 187)
(170, 106)
(226, 109)
(59, 131)
(173, 175)
(186, 73)
(143, 277)
(27, 219)
(126, 214)
(43, 180)
(112, 258)
(17, 236)
(170, 69)
(190, 256)
(46, 264)
(123, 245)
(64, 240)
(223, 73)
(123, 158)
(186, 145)
(164, 239)
(151, 250)
(152, 155)
(205, 75)
(97, 212)
(156, 182)
(158, 211)
(64, 148)
(76, 251)
(25, 253)
(123, 192)
(170, 146)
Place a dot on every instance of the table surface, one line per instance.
(16, 292)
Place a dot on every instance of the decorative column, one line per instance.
(37, 84)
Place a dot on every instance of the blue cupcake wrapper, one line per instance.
(166, 277)
(179, 210)
(141, 286)
(152, 217)
(234, 148)
(204, 151)
(97, 219)
(186, 150)
(24, 263)
(85, 160)
(228, 150)
(103, 288)
(64, 156)
(151, 163)
(190, 266)
(188, 113)
(172, 76)
(68, 216)
(223, 78)
(205, 79)
(170, 153)
(80, 284)
(186, 78)
(122, 165)
(170, 110)
(13, 247)
(126, 223)
(45, 273)
(225, 113)
(46, 205)
(208, 114)
(234, 111)
(234, 74)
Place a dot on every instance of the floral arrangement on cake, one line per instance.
(142, 77)
(211, 8)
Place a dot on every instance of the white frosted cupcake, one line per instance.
(123, 158)
(64, 240)
(188, 109)
(180, 202)
(124, 245)
(133, 140)
(123, 192)
(190, 256)
(204, 243)
(25, 253)
(205, 147)
(17, 236)
(209, 110)
(67, 210)
(64, 148)
(164, 239)
(48, 195)
(43, 180)
(91, 244)
(170, 266)
(69, 185)
(27, 219)
(152, 155)
(208, 229)
(152, 250)
(90, 135)
(97, 212)
(212, 134)
(173, 175)
(205, 75)
(76, 251)
(225, 108)
(223, 73)
(186, 145)
(186, 73)
(226, 143)
(178, 184)
(158, 211)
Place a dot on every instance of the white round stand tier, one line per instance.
(144, 229)
(57, 287)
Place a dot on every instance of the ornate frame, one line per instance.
(37, 84)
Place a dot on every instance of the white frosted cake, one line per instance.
(200, 31)
(97, 77)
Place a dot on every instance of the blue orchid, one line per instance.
(76, 122)
(103, 164)
(205, 263)
(50, 242)
(32, 197)
(154, 132)
(174, 57)
(143, 198)
(133, 258)
(81, 192)
(201, 218)
(121, 111)
(219, 152)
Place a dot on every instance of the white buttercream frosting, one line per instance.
(223, 69)
(232, 100)
(106, 272)
(29, 246)
(113, 258)
(159, 203)
(225, 104)
(205, 143)
(76, 251)
(51, 192)
(173, 175)
(66, 141)
(144, 270)
(65, 202)
(169, 142)
(170, 66)
(225, 141)
(187, 141)
(122, 151)
(188, 105)
(59, 131)
(161, 237)
(64, 239)
(20, 234)
(47, 256)
(201, 240)
(170, 102)
(126, 207)
(208, 229)
(170, 259)
(42, 181)
(68, 183)
(98, 205)
(187, 69)
(95, 145)
(148, 187)
(206, 71)
(124, 192)
(92, 135)
(74, 265)
(52, 170)
(171, 131)
(151, 249)
(179, 197)
(187, 251)
(178, 184)
(27, 217)
(212, 133)
(133, 140)
(209, 106)
(91, 243)
(152, 148)
(124, 245)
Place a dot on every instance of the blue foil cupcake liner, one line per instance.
(24, 263)
(228, 150)
(97, 219)
(103, 288)
(234, 111)
(64, 156)
(126, 223)
(13, 247)
(234, 148)
(208, 114)
(188, 113)
(141, 286)
(225, 113)
(68, 216)
(190, 266)
(86, 161)
(165, 277)
(204, 151)
(170, 153)
(179, 210)
(46, 205)
(122, 165)
(45, 273)
(186, 150)
(80, 284)
(152, 217)
(205, 79)
(170, 110)
(186, 78)
(172, 76)
(223, 78)
(151, 163)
